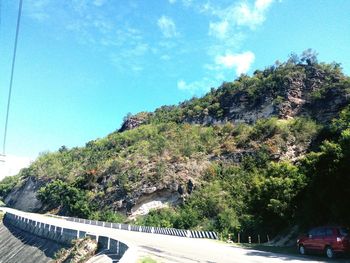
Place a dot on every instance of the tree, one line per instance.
(309, 56)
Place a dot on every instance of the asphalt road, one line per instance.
(176, 249)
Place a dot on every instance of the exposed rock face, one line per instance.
(24, 198)
(82, 251)
(155, 200)
(295, 98)
(299, 99)
(132, 122)
(299, 93)
(164, 191)
(241, 112)
(328, 107)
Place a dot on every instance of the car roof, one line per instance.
(328, 226)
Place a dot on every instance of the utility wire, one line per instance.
(0, 13)
(12, 71)
(1, 160)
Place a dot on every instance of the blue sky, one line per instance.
(82, 65)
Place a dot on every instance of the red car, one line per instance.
(328, 239)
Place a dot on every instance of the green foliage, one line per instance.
(264, 128)
(107, 216)
(8, 183)
(235, 199)
(274, 191)
(70, 198)
(147, 260)
(343, 122)
(324, 199)
(228, 200)
(159, 218)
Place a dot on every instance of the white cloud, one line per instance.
(165, 57)
(230, 22)
(136, 68)
(187, 3)
(262, 4)
(38, 9)
(181, 84)
(99, 2)
(251, 16)
(167, 26)
(241, 62)
(219, 29)
(12, 165)
(219, 72)
(202, 85)
(172, 1)
(139, 50)
(131, 57)
(241, 14)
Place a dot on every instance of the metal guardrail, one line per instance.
(148, 229)
(65, 236)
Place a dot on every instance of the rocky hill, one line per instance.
(288, 90)
(237, 158)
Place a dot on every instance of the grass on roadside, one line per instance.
(147, 260)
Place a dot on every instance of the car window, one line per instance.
(312, 232)
(320, 232)
(343, 231)
(329, 232)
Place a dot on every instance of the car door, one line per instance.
(330, 236)
(319, 239)
(309, 243)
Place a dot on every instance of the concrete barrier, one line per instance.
(65, 236)
(148, 229)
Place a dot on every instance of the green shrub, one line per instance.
(70, 198)
(7, 184)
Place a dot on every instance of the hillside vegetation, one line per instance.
(261, 153)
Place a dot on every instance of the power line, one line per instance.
(12, 71)
(1, 155)
(0, 12)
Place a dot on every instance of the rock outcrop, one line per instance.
(304, 92)
(134, 121)
(25, 197)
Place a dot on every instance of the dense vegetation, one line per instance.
(260, 177)
(265, 196)
(8, 183)
(270, 82)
